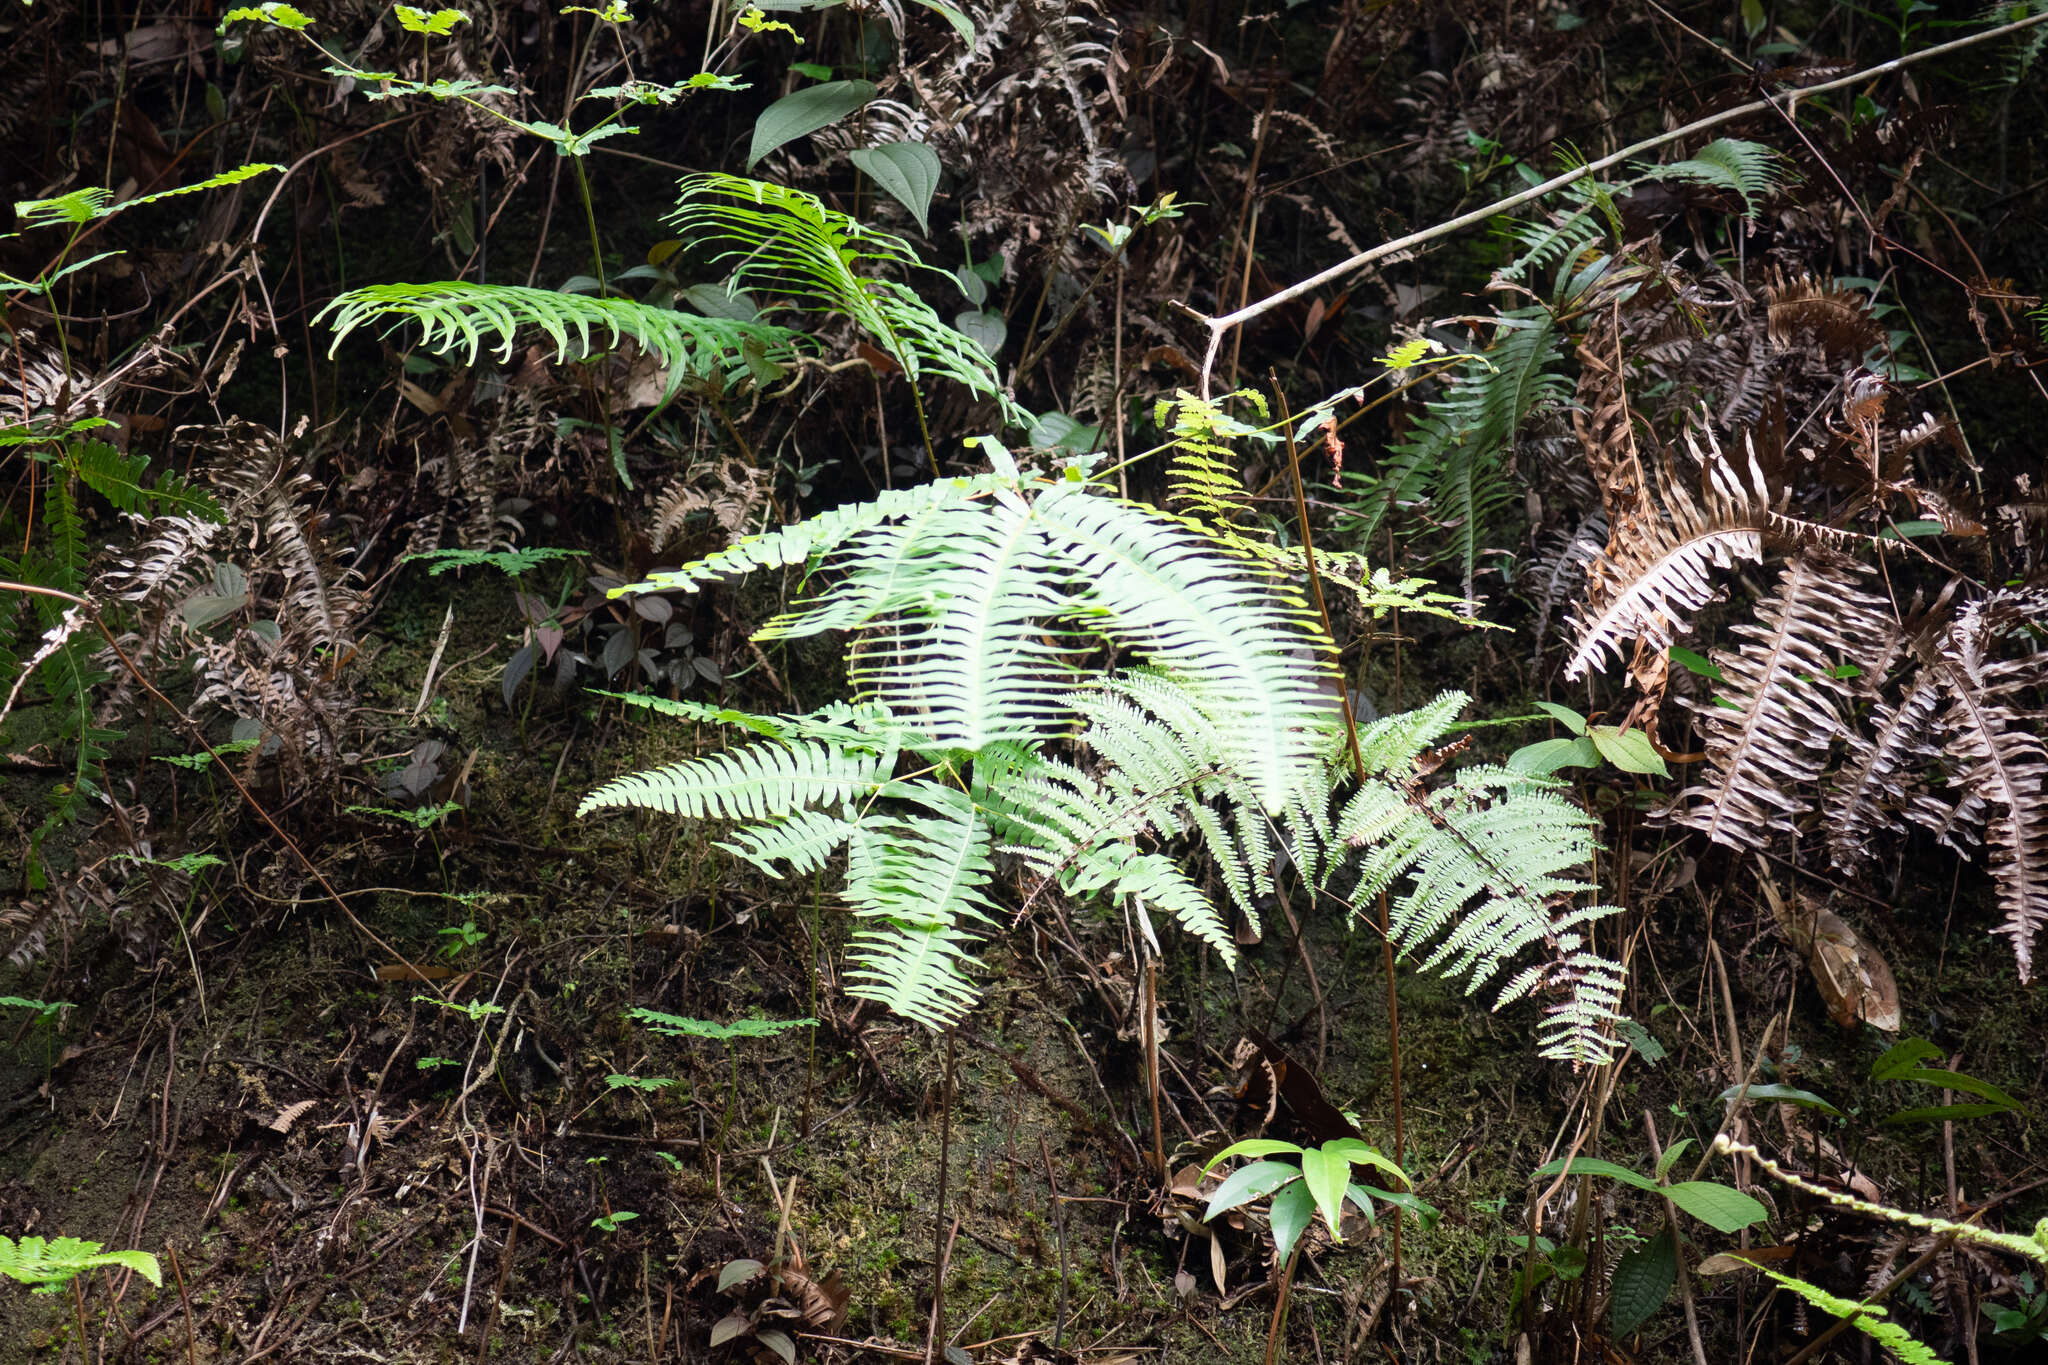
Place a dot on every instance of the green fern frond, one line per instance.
(785, 241)
(804, 839)
(118, 479)
(1486, 868)
(914, 880)
(794, 544)
(1156, 879)
(456, 315)
(1750, 169)
(753, 783)
(853, 726)
(1454, 458)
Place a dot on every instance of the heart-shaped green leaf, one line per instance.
(909, 171)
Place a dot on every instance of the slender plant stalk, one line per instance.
(1278, 1325)
(1315, 584)
(934, 1353)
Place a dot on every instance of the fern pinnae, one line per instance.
(2004, 762)
(1782, 683)
(455, 315)
(750, 783)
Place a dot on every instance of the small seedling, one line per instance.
(45, 1009)
(610, 1222)
(477, 1010)
(459, 938)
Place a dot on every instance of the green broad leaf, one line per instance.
(1645, 1044)
(1697, 663)
(1057, 431)
(986, 330)
(1781, 1094)
(1563, 715)
(1361, 1199)
(1247, 1183)
(962, 25)
(1292, 1209)
(1643, 1280)
(1546, 756)
(909, 171)
(1946, 1113)
(1628, 750)
(439, 24)
(1902, 1057)
(1254, 1147)
(1909, 530)
(277, 16)
(1671, 1157)
(1359, 1153)
(1591, 1165)
(806, 111)
(812, 70)
(1716, 1205)
(1327, 1174)
(1424, 1212)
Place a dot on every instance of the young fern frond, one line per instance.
(456, 315)
(782, 240)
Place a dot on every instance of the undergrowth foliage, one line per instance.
(985, 736)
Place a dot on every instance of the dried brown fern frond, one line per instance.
(1655, 572)
(1993, 723)
(732, 496)
(1805, 312)
(1766, 755)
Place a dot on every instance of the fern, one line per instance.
(1749, 169)
(457, 315)
(1769, 730)
(754, 783)
(785, 241)
(1453, 461)
(975, 608)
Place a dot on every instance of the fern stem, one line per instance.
(590, 218)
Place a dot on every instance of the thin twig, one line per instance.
(1218, 326)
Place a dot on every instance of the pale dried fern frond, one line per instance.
(1766, 756)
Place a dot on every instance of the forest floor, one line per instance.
(352, 1168)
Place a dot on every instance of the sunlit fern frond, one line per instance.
(753, 783)
(783, 241)
(803, 839)
(916, 881)
(465, 317)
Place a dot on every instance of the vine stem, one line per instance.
(934, 1351)
(1784, 108)
(1315, 585)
